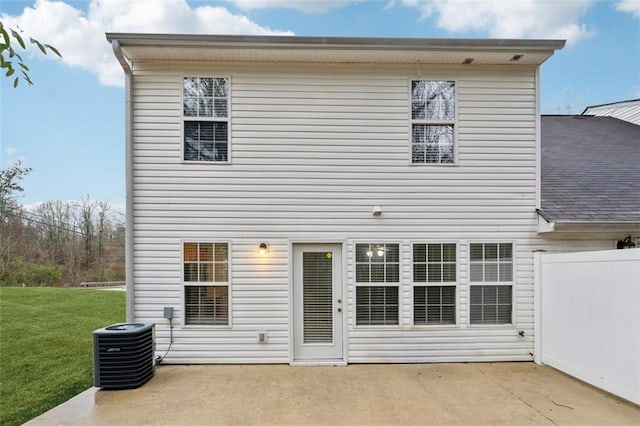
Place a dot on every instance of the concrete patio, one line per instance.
(489, 393)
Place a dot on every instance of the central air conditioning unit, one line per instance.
(123, 355)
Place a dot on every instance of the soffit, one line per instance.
(329, 55)
(192, 47)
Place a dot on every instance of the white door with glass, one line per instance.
(317, 302)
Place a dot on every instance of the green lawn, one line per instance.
(46, 345)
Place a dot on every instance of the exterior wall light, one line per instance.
(263, 249)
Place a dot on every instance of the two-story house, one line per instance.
(315, 200)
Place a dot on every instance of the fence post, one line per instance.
(537, 308)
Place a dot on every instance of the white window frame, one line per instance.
(206, 283)
(453, 122)
(454, 284)
(383, 284)
(511, 283)
(184, 118)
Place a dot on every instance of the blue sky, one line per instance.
(69, 126)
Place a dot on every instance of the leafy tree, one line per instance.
(9, 56)
(10, 183)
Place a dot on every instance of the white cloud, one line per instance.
(9, 155)
(631, 6)
(79, 35)
(390, 5)
(308, 6)
(9, 150)
(509, 19)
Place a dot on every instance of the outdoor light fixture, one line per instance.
(263, 249)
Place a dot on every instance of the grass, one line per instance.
(46, 345)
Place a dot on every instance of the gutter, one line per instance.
(128, 251)
(209, 40)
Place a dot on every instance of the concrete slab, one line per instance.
(489, 393)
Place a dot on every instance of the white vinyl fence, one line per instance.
(588, 317)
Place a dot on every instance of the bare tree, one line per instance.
(103, 225)
(55, 223)
(85, 221)
(57, 241)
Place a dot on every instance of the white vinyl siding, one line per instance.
(315, 147)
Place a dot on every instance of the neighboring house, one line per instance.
(624, 110)
(590, 183)
(315, 200)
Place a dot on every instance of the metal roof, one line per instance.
(624, 110)
(206, 47)
(590, 170)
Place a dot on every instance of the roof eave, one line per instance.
(187, 47)
(556, 226)
(211, 40)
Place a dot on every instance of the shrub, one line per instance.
(32, 274)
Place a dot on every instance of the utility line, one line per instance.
(41, 221)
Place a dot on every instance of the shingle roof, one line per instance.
(590, 169)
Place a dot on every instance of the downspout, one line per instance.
(538, 142)
(128, 251)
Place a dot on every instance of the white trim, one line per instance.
(538, 140)
(205, 119)
(320, 363)
(454, 122)
(129, 210)
(544, 225)
(183, 284)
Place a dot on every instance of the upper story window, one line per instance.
(433, 115)
(205, 111)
